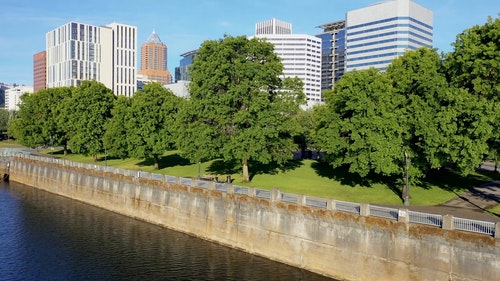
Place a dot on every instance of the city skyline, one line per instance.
(184, 26)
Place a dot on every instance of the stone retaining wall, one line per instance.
(333, 243)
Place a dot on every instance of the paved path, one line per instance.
(471, 205)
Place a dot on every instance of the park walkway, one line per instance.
(471, 205)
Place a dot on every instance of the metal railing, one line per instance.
(289, 198)
(316, 202)
(425, 218)
(349, 207)
(384, 212)
(484, 227)
(462, 224)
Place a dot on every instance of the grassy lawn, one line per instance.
(495, 210)
(309, 177)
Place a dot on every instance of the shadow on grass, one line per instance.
(342, 175)
(254, 168)
(445, 178)
(451, 180)
(58, 152)
(167, 161)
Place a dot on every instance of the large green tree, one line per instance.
(88, 110)
(372, 120)
(474, 64)
(150, 126)
(4, 120)
(39, 119)
(416, 77)
(27, 127)
(54, 129)
(359, 126)
(239, 107)
(115, 136)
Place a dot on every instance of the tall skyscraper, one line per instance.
(154, 60)
(381, 32)
(332, 53)
(39, 71)
(107, 54)
(300, 54)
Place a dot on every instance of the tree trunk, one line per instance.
(65, 149)
(246, 178)
(94, 157)
(156, 161)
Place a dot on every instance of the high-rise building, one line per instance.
(107, 54)
(372, 37)
(154, 60)
(273, 27)
(379, 33)
(182, 71)
(39, 71)
(332, 53)
(300, 54)
(13, 96)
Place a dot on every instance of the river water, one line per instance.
(48, 237)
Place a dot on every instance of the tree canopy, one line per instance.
(372, 119)
(150, 122)
(39, 121)
(239, 108)
(87, 111)
(360, 125)
(474, 65)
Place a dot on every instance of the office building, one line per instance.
(154, 60)
(39, 71)
(107, 54)
(182, 71)
(377, 34)
(13, 96)
(300, 54)
(332, 53)
(273, 27)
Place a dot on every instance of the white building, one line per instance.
(12, 96)
(179, 88)
(300, 54)
(379, 33)
(108, 54)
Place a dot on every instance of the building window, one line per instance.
(74, 31)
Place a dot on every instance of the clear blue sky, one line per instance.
(183, 25)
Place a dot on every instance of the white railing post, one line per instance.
(330, 204)
(364, 209)
(447, 222)
(403, 216)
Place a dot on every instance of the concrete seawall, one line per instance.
(332, 243)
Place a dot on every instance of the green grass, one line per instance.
(495, 210)
(309, 177)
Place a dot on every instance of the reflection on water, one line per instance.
(47, 237)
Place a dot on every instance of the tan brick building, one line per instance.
(154, 60)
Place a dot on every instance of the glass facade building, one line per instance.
(372, 37)
(377, 34)
(182, 71)
(333, 53)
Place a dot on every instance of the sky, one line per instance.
(183, 25)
